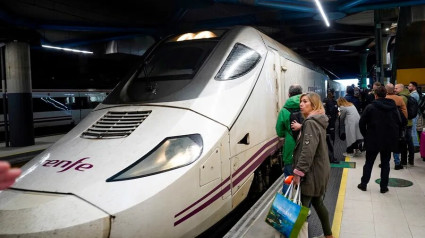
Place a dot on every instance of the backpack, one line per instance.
(297, 116)
(421, 106)
(331, 108)
(412, 107)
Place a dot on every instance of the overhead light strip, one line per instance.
(325, 18)
(67, 49)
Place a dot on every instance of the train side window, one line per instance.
(240, 61)
(94, 101)
(81, 103)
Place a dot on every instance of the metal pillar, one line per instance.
(363, 69)
(18, 79)
(378, 45)
(3, 88)
(386, 62)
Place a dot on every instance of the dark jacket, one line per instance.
(379, 125)
(355, 101)
(331, 109)
(311, 155)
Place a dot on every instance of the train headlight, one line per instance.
(171, 153)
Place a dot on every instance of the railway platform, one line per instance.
(17, 156)
(355, 213)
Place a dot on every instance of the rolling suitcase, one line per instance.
(422, 145)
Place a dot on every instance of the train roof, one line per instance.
(290, 54)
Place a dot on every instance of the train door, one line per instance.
(283, 92)
(225, 165)
(279, 70)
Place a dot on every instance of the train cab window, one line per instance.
(168, 70)
(240, 61)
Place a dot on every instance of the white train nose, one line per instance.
(33, 214)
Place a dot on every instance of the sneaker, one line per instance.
(347, 154)
(384, 190)
(361, 187)
(411, 163)
(357, 153)
(398, 167)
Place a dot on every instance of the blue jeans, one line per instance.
(287, 170)
(396, 158)
(414, 133)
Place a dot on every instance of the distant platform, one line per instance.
(20, 155)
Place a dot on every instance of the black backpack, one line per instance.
(331, 108)
(412, 107)
(297, 116)
(421, 106)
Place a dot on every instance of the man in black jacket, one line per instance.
(331, 110)
(379, 125)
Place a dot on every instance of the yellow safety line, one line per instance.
(336, 224)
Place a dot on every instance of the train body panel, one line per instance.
(191, 159)
(95, 223)
(100, 159)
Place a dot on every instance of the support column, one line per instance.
(18, 78)
(363, 69)
(378, 44)
(385, 60)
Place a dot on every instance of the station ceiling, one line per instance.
(294, 23)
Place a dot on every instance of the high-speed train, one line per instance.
(171, 150)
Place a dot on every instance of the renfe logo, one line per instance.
(66, 164)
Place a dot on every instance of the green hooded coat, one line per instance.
(283, 128)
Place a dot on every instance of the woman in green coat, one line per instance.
(283, 129)
(311, 163)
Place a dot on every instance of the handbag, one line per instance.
(402, 128)
(286, 213)
(342, 135)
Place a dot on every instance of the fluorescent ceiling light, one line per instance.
(67, 49)
(319, 6)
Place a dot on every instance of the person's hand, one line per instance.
(296, 179)
(295, 126)
(7, 175)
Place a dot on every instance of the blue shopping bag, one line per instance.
(286, 214)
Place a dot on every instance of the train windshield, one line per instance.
(167, 70)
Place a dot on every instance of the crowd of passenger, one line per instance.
(374, 121)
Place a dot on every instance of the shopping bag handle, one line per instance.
(297, 197)
(288, 193)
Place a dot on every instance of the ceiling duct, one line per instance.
(134, 46)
